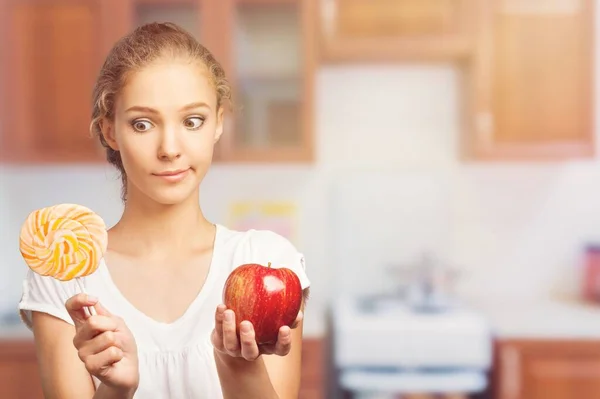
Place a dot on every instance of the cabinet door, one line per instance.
(313, 369)
(52, 51)
(271, 69)
(383, 30)
(548, 370)
(19, 372)
(535, 88)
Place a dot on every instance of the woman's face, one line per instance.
(165, 127)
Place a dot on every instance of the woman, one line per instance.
(160, 330)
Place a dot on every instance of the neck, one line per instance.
(154, 228)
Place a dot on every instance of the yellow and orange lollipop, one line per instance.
(65, 241)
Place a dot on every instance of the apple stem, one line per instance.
(269, 265)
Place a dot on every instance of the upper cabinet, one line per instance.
(395, 30)
(527, 65)
(530, 82)
(527, 69)
(56, 48)
(51, 52)
(271, 68)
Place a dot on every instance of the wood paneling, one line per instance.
(531, 81)
(19, 374)
(547, 369)
(395, 30)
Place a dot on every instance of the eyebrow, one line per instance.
(153, 111)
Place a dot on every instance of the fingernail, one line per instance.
(245, 328)
(229, 316)
(92, 298)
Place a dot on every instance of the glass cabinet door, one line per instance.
(185, 14)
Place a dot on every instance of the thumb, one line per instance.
(76, 307)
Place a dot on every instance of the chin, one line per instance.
(172, 195)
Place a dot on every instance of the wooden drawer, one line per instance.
(311, 393)
(19, 375)
(312, 361)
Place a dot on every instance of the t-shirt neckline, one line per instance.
(192, 307)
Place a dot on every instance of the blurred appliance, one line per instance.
(426, 285)
(396, 327)
(388, 347)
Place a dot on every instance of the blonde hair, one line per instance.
(133, 52)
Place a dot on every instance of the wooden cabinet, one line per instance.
(52, 51)
(19, 375)
(314, 376)
(272, 69)
(547, 369)
(530, 93)
(394, 30)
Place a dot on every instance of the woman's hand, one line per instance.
(225, 339)
(104, 344)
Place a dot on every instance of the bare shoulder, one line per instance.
(62, 373)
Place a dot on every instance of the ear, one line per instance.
(108, 131)
(220, 123)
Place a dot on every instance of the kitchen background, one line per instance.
(391, 129)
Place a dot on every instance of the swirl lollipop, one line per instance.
(65, 241)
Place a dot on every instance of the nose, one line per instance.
(169, 147)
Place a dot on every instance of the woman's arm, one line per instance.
(275, 376)
(62, 374)
(285, 371)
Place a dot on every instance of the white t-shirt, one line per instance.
(175, 359)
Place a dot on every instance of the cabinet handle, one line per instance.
(544, 7)
(328, 13)
(484, 125)
(511, 372)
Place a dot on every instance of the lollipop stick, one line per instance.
(90, 309)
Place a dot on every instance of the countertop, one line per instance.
(12, 332)
(312, 329)
(540, 318)
(517, 318)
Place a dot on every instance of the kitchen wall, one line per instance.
(517, 229)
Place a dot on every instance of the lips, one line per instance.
(171, 172)
(173, 176)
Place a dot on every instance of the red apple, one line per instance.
(269, 298)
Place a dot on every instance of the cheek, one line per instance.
(199, 145)
(135, 150)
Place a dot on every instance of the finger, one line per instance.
(284, 341)
(76, 307)
(94, 326)
(230, 339)
(99, 364)
(248, 341)
(98, 344)
(101, 310)
(298, 320)
(219, 318)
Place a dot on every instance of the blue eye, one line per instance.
(141, 125)
(194, 123)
